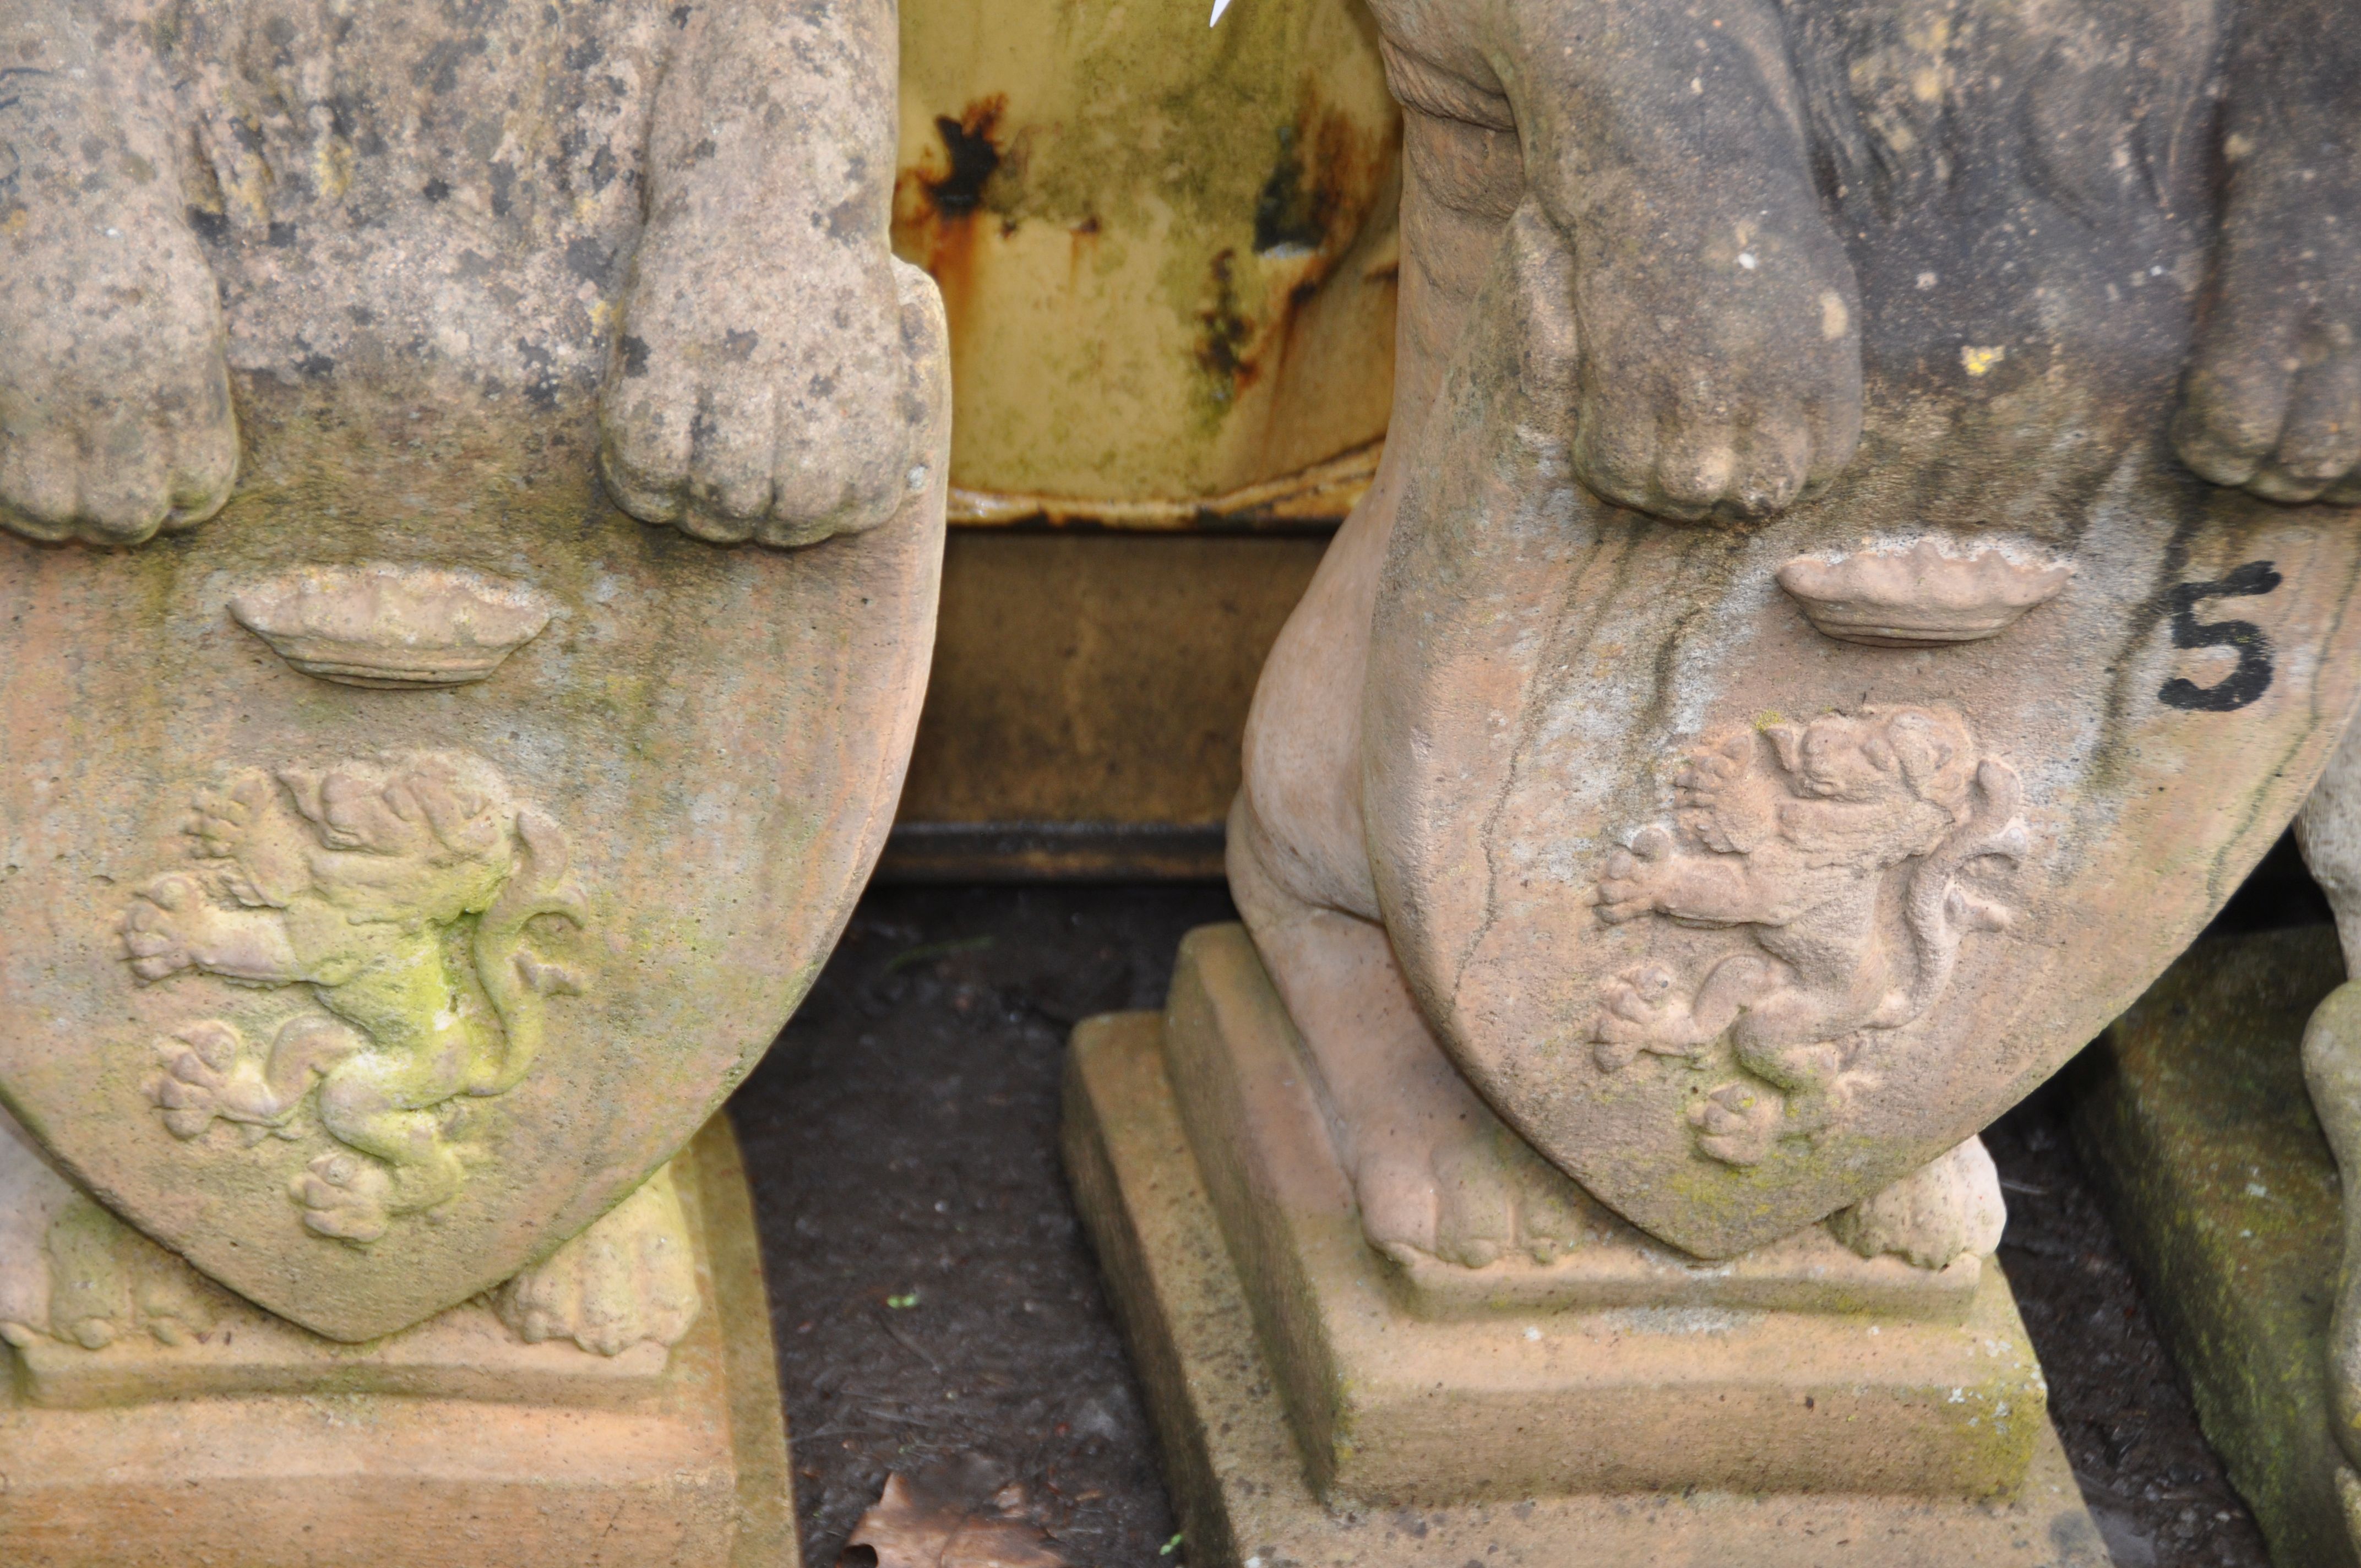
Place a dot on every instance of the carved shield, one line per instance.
(400, 869)
(1746, 869)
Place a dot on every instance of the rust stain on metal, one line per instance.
(934, 215)
(1157, 278)
(1224, 348)
(974, 155)
(1324, 185)
(1311, 500)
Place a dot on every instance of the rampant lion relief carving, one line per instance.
(1847, 850)
(400, 891)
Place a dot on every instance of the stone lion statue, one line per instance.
(1697, 211)
(311, 250)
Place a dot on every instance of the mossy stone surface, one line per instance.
(2199, 1131)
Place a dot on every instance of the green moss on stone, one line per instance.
(2198, 1129)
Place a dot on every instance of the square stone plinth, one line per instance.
(1318, 1406)
(2196, 1127)
(449, 1446)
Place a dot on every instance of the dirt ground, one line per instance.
(937, 1311)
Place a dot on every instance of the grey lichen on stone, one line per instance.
(226, 212)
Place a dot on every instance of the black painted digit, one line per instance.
(2253, 645)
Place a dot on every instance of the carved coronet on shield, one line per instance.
(389, 894)
(1745, 870)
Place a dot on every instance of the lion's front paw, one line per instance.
(1722, 799)
(779, 416)
(2273, 399)
(627, 1279)
(346, 1195)
(157, 928)
(1629, 888)
(1710, 775)
(115, 418)
(157, 449)
(244, 831)
(1718, 381)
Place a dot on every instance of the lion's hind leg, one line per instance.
(1796, 1087)
(1434, 1171)
(387, 1108)
(1641, 1009)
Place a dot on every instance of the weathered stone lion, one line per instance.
(434, 261)
(1699, 208)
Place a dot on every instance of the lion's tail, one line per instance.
(1938, 911)
(517, 979)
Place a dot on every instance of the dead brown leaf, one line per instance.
(909, 1528)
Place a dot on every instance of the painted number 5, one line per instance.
(2252, 644)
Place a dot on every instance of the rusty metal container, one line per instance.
(1167, 253)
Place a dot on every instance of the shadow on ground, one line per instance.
(937, 1311)
(933, 1298)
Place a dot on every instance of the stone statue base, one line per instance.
(2199, 1131)
(452, 1445)
(1316, 1403)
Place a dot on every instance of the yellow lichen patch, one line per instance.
(1979, 360)
(331, 168)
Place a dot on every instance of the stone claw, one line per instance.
(1622, 901)
(1626, 889)
(152, 939)
(1737, 1123)
(1704, 778)
(345, 1196)
(1471, 1194)
(188, 1110)
(218, 825)
(208, 1074)
(732, 447)
(627, 1279)
(1638, 1012)
(120, 420)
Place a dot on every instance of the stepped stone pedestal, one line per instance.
(449, 1445)
(1318, 1403)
